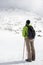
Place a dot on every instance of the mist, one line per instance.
(28, 5)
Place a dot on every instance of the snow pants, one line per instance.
(30, 49)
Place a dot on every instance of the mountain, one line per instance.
(11, 40)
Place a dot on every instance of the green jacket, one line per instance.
(25, 31)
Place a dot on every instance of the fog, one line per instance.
(30, 5)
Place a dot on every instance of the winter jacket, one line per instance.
(25, 31)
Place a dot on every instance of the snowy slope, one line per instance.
(11, 40)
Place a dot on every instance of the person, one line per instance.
(29, 43)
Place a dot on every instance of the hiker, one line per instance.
(29, 42)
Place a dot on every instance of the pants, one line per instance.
(30, 49)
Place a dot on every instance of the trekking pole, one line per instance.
(23, 49)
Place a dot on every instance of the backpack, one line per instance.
(31, 32)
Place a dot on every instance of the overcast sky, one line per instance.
(33, 5)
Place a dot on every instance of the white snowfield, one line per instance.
(11, 40)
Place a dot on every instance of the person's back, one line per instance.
(29, 42)
(25, 30)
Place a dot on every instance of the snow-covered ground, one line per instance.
(11, 40)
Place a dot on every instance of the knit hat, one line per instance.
(27, 21)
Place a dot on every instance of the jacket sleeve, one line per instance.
(24, 32)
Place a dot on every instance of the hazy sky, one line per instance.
(33, 5)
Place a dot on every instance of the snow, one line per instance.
(11, 40)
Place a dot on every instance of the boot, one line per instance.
(28, 60)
